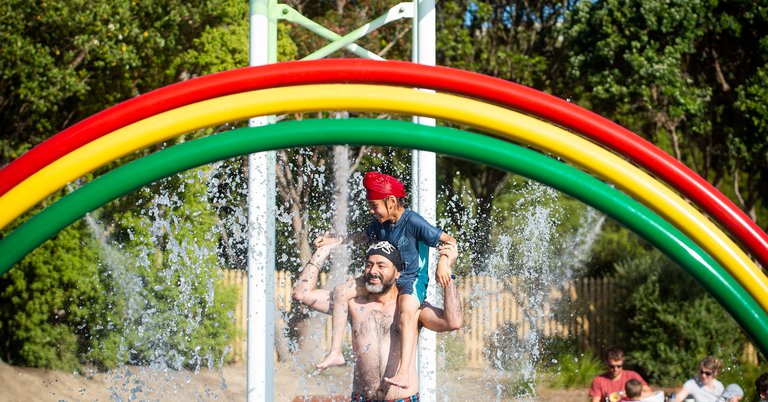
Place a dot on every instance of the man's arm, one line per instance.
(449, 318)
(305, 289)
(594, 391)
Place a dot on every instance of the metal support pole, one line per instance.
(425, 193)
(260, 369)
(261, 189)
(287, 13)
(400, 11)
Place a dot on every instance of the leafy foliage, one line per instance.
(52, 304)
(64, 61)
(569, 370)
(682, 74)
(615, 243)
(505, 39)
(671, 323)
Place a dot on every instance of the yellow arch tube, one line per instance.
(502, 122)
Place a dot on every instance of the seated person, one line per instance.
(633, 390)
(706, 388)
(611, 383)
(761, 387)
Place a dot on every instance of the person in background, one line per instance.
(611, 383)
(706, 388)
(761, 387)
(634, 390)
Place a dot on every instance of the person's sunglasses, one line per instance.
(616, 366)
(706, 373)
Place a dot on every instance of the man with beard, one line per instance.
(376, 340)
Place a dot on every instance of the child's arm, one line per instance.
(331, 238)
(443, 271)
(447, 239)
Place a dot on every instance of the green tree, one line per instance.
(63, 61)
(683, 75)
(511, 40)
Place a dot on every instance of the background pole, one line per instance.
(425, 194)
(261, 226)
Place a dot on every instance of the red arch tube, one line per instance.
(528, 100)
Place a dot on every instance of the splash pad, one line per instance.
(658, 214)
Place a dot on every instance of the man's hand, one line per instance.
(328, 238)
(447, 256)
(321, 254)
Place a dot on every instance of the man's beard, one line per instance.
(381, 287)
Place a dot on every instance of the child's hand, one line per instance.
(321, 254)
(324, 251)
(327, 239)
(443, 275)
(449, 251)
(448, 254)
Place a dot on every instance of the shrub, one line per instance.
(51, 301)
(570, 370)
(75, 300)
(670, 322)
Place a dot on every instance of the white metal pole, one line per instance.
(261, 237)
(425, 193)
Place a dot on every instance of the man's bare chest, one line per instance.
(373, 322)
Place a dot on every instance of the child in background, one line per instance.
(412, 235)
(633, 389)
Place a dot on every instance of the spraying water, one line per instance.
(163, 259)
(163, 285)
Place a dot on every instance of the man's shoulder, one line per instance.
(600, 378)
(633, 375)
(599, 384)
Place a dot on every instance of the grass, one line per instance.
(569, 370)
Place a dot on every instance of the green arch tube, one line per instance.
(471, 146)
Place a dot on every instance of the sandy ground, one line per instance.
(229, 384)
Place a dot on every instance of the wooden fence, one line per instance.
(580, 310)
